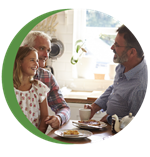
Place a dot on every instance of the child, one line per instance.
(31, 94)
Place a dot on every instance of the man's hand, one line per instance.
(89, 107)
(53, 121)
(94, 108)
(104, 119)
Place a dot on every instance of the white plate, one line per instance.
(86, 126)
(82, 134)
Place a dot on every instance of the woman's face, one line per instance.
(30, 64)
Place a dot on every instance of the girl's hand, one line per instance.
(43, 115)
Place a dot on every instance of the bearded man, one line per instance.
(130, 83)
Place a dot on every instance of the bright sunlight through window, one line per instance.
(100, 35)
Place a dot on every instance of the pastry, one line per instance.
(90, 122)
(71, 132)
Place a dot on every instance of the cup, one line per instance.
(84, 113)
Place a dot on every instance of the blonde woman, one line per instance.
(31, 94)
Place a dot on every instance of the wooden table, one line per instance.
(98, 134)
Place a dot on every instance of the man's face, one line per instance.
(43, 46)
(120, 50)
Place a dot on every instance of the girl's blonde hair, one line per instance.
(23, 51)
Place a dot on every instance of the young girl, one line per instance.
(31, 94)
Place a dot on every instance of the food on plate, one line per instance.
(90, 122)
(71, 132)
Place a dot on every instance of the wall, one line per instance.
(64, 71)
(62, 66)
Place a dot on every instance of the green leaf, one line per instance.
(73, 61)
(78, 48)
(78, 41)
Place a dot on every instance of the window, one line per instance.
(99, 36)
(98, 30)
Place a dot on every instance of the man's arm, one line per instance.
(136, 101)
(55, 98)
(102, 100)
(57, 102)
(100, 103)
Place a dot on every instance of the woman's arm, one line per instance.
(43, 115)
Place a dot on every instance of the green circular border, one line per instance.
(7, 76)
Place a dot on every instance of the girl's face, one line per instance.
(30, 64)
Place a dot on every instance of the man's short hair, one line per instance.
(30, 38)
(130, 39)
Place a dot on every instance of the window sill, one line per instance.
(82, 84)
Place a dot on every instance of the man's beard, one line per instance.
(123, 58)
(42, 62)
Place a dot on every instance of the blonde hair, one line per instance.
(23, 51)
(29, 40)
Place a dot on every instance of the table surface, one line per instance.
(98, 134)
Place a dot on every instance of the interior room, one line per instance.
(84, 81)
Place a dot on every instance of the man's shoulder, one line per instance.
(42, 71)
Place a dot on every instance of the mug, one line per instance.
(84, 113)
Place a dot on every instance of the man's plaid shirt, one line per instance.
(54, 97)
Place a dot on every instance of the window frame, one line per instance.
(80, 30)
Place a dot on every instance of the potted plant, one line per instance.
(79, 51)
(86, 64)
